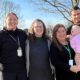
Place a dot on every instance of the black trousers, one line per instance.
(22, 75)
(77, 77)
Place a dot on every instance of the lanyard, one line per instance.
(68, 49)
(15, 39)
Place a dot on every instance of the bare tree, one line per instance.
(76, 2)
(49, 27)
(67, 24)
(21, 23)
(9, 6)
(59, 7)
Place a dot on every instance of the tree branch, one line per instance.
(59, 11)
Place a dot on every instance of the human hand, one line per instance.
(78, 66)
(74, 69)
(68, 36)
(77, 56)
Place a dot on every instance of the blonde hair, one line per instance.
(9, 14)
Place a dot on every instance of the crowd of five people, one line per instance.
(37, 56)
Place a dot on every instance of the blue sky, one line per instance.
(30, 14)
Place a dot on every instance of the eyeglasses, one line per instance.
(38, 26)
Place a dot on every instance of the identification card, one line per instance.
(19, 52)
(71, 62)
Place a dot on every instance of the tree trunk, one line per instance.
(76, 2)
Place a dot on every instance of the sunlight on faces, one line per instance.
(75, 16)
(38, 29)
(61, 34)
(11, 22)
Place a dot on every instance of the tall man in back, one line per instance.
(75, 16)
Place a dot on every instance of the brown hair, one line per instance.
(74, 8)
(31, 34)
(11, 13)
(54, 39)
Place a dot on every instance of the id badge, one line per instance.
(71, 62)
(19, 52)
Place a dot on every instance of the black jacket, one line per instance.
(60, 59)
(69, 30)
(8, 49)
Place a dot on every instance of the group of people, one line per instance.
(33, 55)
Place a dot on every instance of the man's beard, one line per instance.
(78, 22)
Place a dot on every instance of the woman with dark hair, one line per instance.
(62, 55)
(12, 49)
(39, 65)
